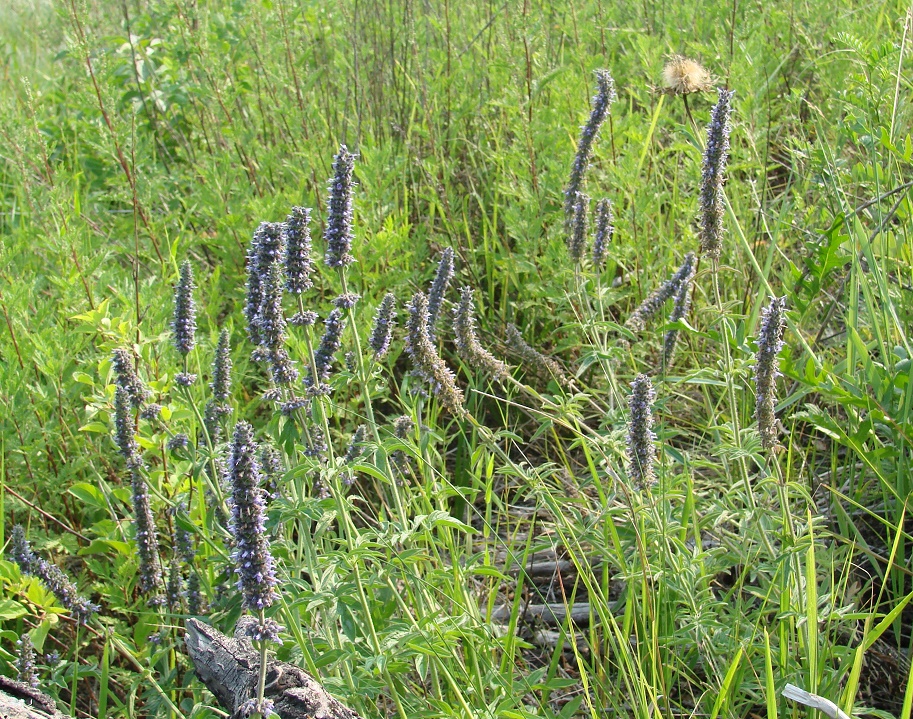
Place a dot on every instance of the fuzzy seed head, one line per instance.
(682, 76)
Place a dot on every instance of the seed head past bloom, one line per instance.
(253, 561)
(384, 322)
(580, 227)
(656, 299)
(682, 76)
(439, 290)
(298, 264)
(605, 228)
(641, 439)
(428, 365)
(184, 324)
(602, 101)
(50, 575)
(766, 369)
(467, 342)
(338, 234)
(681, 305)
(713, 172)
(532, 360)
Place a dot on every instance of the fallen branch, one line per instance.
(555, 614)
(20, 701)
(229, 667)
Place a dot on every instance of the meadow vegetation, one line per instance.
(553, 491)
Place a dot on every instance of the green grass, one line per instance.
(139, 134)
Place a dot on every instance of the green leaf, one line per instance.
(11, 609)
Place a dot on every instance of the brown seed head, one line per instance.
(682, 76)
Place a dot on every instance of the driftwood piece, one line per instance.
(229, 667)
(20, 701)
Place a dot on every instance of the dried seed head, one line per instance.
(681, 304)
(338, 234)
(467, 343)
(602, 101)
(656, 299)
(428, 365)
(641, 439)
(766, 369)
(532, 360)
(682, 76)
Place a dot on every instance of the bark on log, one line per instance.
(229, 667)
(20, 701)
(545, 613)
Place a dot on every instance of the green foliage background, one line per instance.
(137, 134)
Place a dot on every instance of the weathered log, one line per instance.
(230, 667)
(21, 701)
(545, 613)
